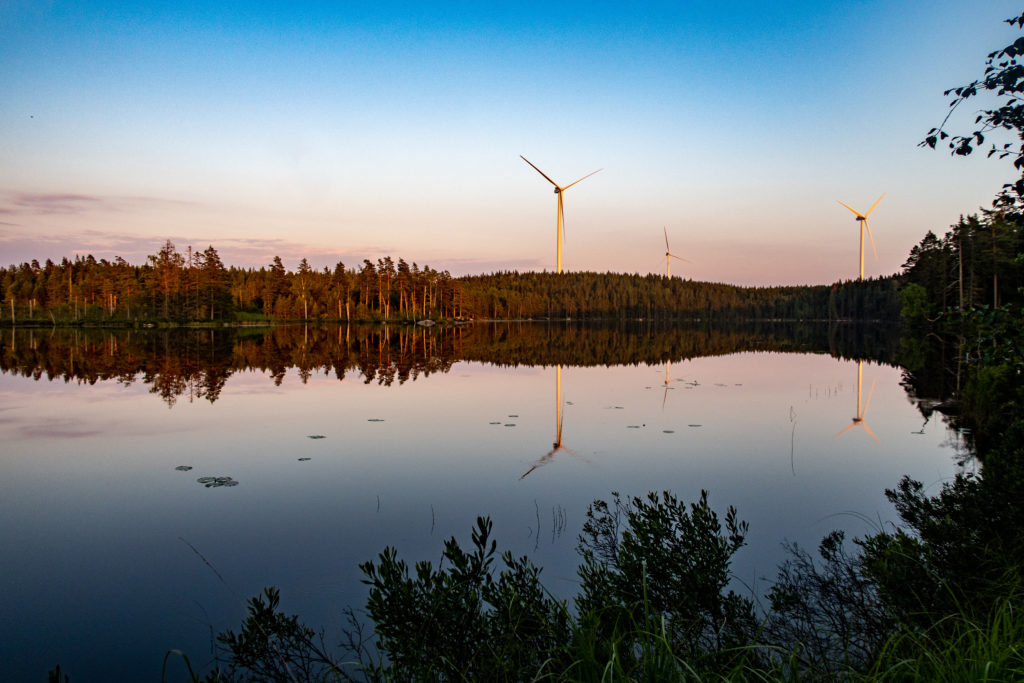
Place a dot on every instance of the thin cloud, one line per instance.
(69, 203)
(51, 203)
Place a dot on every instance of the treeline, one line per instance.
(197, 286)
(978, 262)
(589, 295)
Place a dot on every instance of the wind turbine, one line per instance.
(858, 421)
(862, 218)
(669, 255)
(561, 214)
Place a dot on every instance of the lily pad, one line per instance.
(304, 459)
(216, 482)
(317, 436)
(375, 419)
(183, 468)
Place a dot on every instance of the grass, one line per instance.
(958, 648)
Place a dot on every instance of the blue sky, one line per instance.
(338, 131)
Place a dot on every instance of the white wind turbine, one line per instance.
(669, 255)
(862, 218)
(561, 215)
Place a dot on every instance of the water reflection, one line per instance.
(97, 470)
(196, 364)
(859, 419)
(557, 446)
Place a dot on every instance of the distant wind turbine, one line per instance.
(561, 214)
(858, 421)
(669, 255)
(862, 218)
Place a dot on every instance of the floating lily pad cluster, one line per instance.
(215, 482)
(183, 468)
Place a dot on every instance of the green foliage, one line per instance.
(914, 301)
(828, 616)
(1004, 78)
(654, 563)
(973, 264)
(958, 648)
(961, 550)
(272, 646)
(460, 621)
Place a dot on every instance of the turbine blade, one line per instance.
(846, 205)
(561, 213)
(868, 430)
(680, 258)
(539, 171)
(864, 411)
(873, 206)
(667, 250)
(575, 181)
(866, 227)
(852, 425)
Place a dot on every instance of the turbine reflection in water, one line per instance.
(557, 445)
(859, 419)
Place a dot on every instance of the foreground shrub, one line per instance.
(652, 566)
(459, 621)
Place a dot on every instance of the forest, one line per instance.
(176, 288)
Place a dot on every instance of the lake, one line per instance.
(153, 481)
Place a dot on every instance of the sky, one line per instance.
(341, 131)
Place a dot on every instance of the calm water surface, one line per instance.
(112, 556)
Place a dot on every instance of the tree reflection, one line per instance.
(193, 364)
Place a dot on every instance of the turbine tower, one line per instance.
(862, 218)
(669, 255)
(561, 215)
